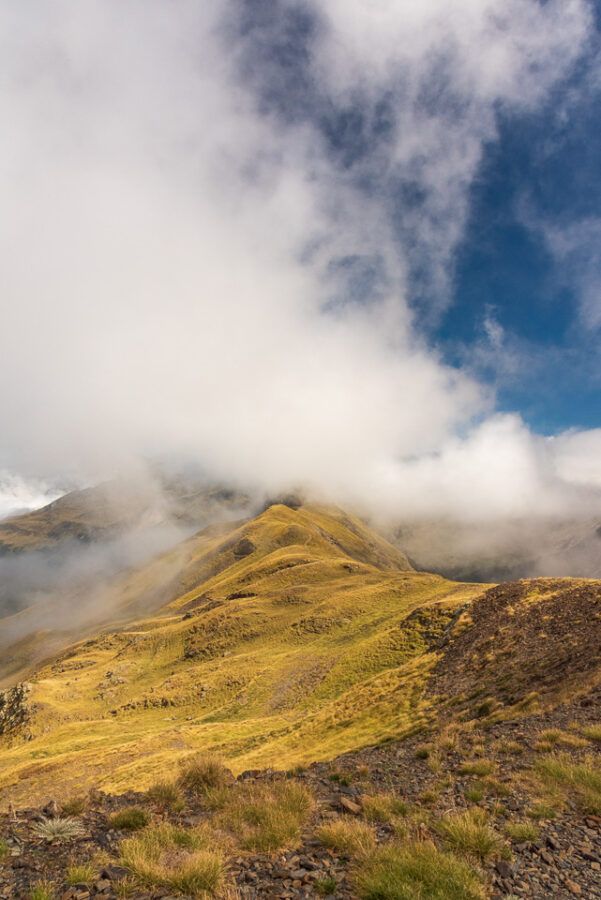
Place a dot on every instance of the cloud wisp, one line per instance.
(226, 229)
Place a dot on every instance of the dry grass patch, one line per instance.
(583, 778)
(416, 871)
(43, 890)
(166, 794)
(557, 738)
(383, 807)
(593, 733)
(202, 772)
(179, 859)
(510, 748)
(520, 832)
(4, 850)
(265, 817)
(347, 836)
(131, 819)
(479, 767)
(81, 873)
(74, 806)
(541, 811)
(470, 833)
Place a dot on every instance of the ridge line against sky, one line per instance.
(350, 245)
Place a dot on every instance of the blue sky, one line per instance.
(539, 171)
(543, 168)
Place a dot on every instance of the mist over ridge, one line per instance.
(203, 262)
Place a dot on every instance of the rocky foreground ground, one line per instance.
(495, 769)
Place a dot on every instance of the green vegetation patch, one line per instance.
(131, 819)
(416, 871)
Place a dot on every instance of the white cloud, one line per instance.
(168, 247)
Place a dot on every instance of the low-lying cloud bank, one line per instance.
(227, 227)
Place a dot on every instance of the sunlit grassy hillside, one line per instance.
(293, 637)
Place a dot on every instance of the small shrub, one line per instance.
(167, 795)
(416, 871)
(57, 829)
(469, 833)
(266, 817)
(325, 886)
(74, 806)
(203, 771)
(175, 858)
(521, 832)
(383, 807)
(422, 753)
(479, 767)
(347, 836)
(131, 819)
(81, 873)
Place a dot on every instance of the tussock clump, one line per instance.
(175, 858)
(202, 772)
(416, 871)
(347, 836)
(479, 767)
(593, 733)
(520, 832)
(43, 890)
(58, 829)
(583, 778)
(541, 811)
(383, 807)
(265, 817)
(469, 833)
(324, 886)
(74, 806)
(131, 819)
(166, 794)
(81, 873)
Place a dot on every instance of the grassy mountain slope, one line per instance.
(106, 510)
(292, 637)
